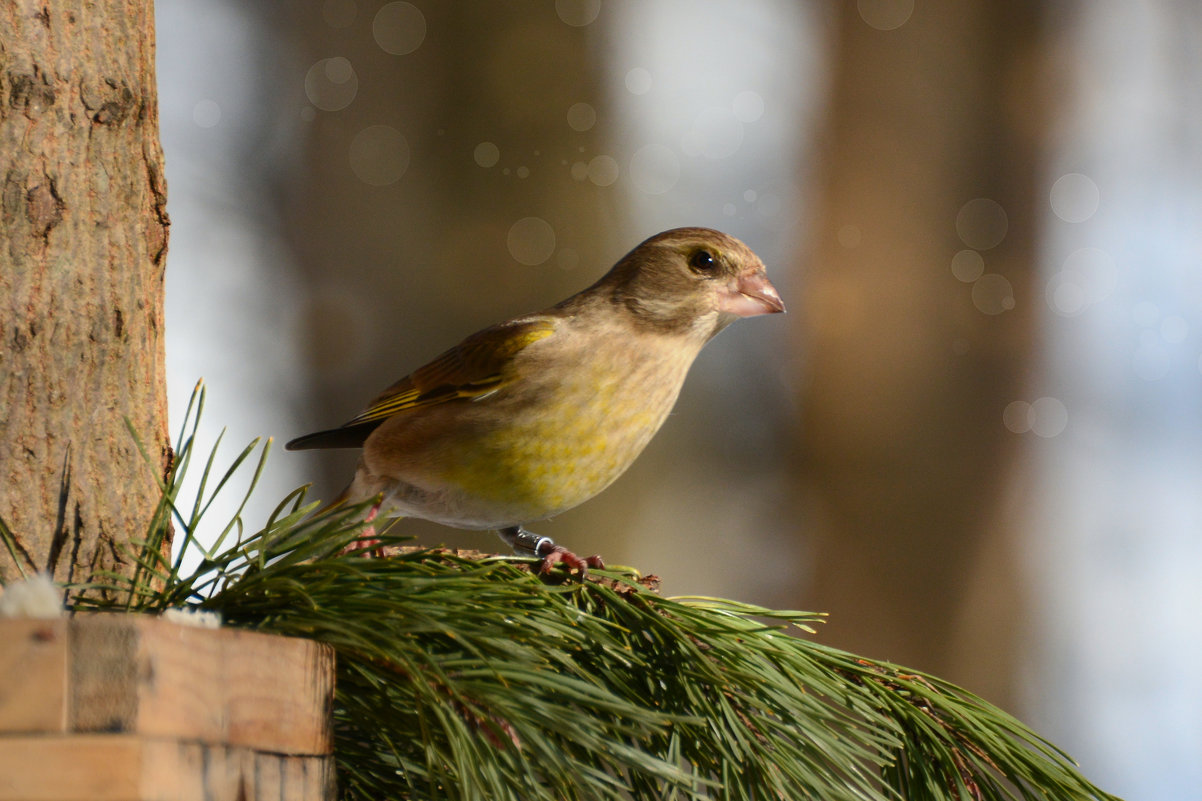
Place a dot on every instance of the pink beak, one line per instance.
(751, 295)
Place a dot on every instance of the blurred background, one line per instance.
(975, 440)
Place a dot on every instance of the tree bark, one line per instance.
(83, 241)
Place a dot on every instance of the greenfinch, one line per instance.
(535, 415)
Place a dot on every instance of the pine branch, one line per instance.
(467, 678)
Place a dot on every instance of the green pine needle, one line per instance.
(464, 678)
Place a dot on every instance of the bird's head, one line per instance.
(692, 280)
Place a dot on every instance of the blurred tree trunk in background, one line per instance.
(401, 268)
(911, 365)
(83, 229)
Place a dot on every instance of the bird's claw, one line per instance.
(553, 554)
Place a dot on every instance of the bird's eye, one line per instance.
(702, 261)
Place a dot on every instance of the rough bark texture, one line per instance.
(83, 239)
(908, 377)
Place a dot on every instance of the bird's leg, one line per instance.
(367, 537)
(527, 542)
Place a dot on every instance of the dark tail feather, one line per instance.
(344, 437)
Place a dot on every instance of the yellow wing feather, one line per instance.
(471, 369)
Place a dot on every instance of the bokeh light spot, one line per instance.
(338, 70)
(603, 170)
(885, 15)
(399, 28)
(981, 223)
(1017, 416)
(1049, 417)
(1088, 276)
(748, 106)
(206, 113)
(993, 294)
(638, 81)
(968, 266)
(331, 84)
(531, 241)
(1074, 197)
(487, 154)
(654, 169)
(578, 13)
(581, 117)
(379, 155)
(729, 209)
(1065, 296)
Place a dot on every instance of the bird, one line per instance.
(535, 415)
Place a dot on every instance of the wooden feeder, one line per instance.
(113, 707)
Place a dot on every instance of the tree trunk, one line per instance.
(83, 241)
(915, 356)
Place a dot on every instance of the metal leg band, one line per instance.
(532, 543)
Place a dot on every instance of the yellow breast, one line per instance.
(558, 453)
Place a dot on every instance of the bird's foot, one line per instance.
(527, 542)
(553, 554)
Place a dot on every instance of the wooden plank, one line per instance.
(33, 676)
(145, 675)
(120, 767)
(281, 693)
(105, 670)
(277, 778)
(68, 768)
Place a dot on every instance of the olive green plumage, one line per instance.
(536, 415)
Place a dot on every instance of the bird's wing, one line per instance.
(472, 369)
